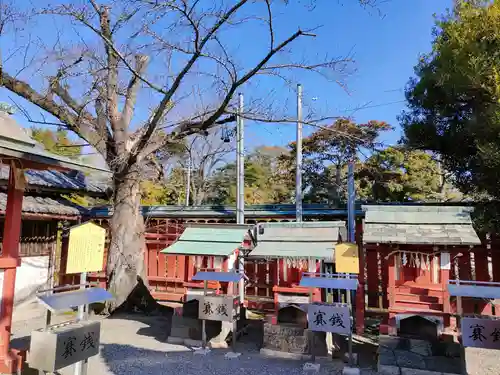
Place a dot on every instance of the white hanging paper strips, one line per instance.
(445, 261)
(405, 259)
(412, 260)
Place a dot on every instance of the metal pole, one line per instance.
(240, 182)
(351, 198)
(351, 223)
(81, 367)
(188, 180)
(298, 171)
(349, 302)
(203, 324)
(350, 334)
(459, 326)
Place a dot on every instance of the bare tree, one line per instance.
(98, 56)
(204, 154)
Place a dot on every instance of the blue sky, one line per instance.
(385, 48)
(384, 43)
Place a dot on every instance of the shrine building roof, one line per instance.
(432, 225)
(209, 239)
(315, 239)
(16, 144)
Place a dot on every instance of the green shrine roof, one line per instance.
(209, 239)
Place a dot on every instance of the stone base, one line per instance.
(351, 371)
(284, 355)
(183, 341)
(354, 358)
(401, 356)
(290, 338)
(186, 328)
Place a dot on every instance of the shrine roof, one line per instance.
(16, 144)
(52, 179)
(209, 239)
(433, 225)
(45, 206)
(298, 240)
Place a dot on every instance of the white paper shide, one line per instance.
(335, 318)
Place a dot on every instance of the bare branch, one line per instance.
(168, 96)
(133, 87)
(112, 80)
(72, 121)
(66, 10)
(181, 131)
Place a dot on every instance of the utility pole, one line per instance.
(240, 185)
(188, 180)
(351, 199)
(298, 171)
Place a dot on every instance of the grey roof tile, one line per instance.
(420, 234)
(59, 180)
(45, 205)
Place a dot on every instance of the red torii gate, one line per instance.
(19, 152)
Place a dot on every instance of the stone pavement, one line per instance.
(136, 345)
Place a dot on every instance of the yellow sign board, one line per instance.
(346, 258)
(86, 248)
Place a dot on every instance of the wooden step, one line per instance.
(418, 305)
(420, 289)
(413, 310)
(417, 298)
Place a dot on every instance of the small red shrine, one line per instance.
(416, 242)
(19, 152)
(294, 248)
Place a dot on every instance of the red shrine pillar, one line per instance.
(360, 293)
(9, 261)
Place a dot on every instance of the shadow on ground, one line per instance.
(158, 326)
(126, 359)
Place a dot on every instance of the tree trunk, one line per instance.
(125, 269)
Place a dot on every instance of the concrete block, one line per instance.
(414, 371)
(193, 343)
(180, 331)
(351, 371)
(286, 355)
(388, 370)
(231, 355)
(175, 340)
(354, 358)
(312, 367)
(201, 351)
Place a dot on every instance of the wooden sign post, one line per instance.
(333, 317)
(476, 331)
(85, 254)
(223, 308)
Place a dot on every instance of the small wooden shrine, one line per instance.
(416, 242)
(209, 247)
(295, 248)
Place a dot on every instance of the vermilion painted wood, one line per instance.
(10, 257)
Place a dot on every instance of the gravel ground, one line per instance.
(133, 345)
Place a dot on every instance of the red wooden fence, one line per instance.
(168, 275)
